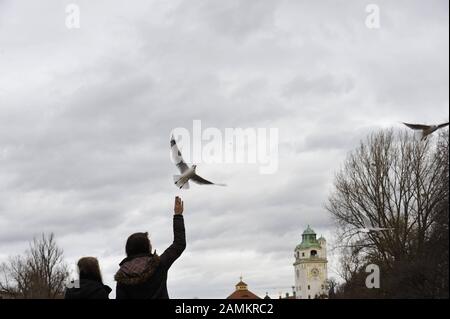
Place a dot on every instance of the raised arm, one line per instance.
(179, 236)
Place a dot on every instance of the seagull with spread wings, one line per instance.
(187, 173)
(426, 129)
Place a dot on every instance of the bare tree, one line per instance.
(438, 244)
(391, 180)
(332, 285)
(40, 274)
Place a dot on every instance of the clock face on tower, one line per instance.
(315, 272)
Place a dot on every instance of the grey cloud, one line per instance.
(325, 85)
(234, 18)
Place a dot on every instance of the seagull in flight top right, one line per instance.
(426, 129)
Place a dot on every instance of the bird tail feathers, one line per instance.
(178, 183)
(185, 185)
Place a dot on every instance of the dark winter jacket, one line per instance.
(145, 276)
(89, 289)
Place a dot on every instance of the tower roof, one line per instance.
(308, 231)
(309, 240)
(241, 284)
(242, 292)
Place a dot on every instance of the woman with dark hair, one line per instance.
(143, 275)
(90, 284)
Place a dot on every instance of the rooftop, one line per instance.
(242, 292)
(309, 239)
(309, 231)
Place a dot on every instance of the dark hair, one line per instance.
(138, 244)
(89, 268)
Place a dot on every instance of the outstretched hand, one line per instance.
(179, 206)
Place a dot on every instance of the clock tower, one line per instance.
(311, 266)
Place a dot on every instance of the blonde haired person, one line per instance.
(91, 284)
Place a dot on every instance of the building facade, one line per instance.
(310, 265)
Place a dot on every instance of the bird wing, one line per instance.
(177, 157)
(443, 125)
(417, 126)
(200, 180)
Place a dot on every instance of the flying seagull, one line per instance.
(187, 173)
(426, 129)
(369, 228)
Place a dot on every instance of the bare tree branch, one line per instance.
(40, 273)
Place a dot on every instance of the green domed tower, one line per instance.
(311, 266)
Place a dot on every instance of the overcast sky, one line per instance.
(85, 118)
